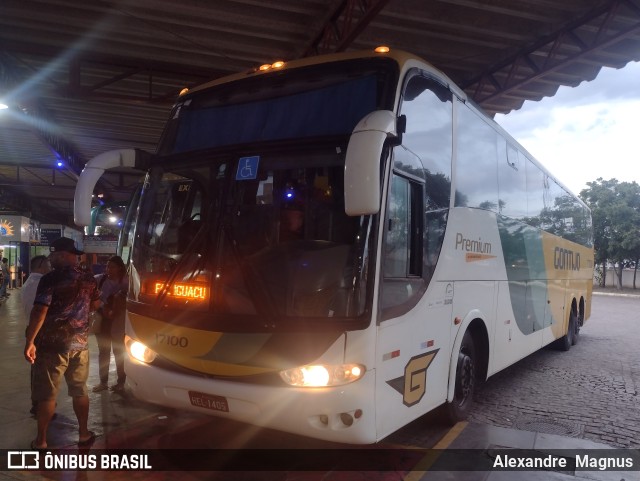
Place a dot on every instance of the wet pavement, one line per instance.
(521, 392)
(590, 392)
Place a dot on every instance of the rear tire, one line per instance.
(569, 339)
(460, 407)
(576, 331)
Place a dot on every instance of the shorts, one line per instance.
(49, 369)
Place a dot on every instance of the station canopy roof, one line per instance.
(92, 76)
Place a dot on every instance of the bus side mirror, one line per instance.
(362, 163)
(92, 171)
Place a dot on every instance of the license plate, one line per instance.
(207, 401)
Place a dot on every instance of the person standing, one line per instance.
(113, 286)
(6, 278)
(39, 266)
(1, 278)
(56, 338)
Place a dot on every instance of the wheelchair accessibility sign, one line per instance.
(248, 168)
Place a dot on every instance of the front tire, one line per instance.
(460, 407)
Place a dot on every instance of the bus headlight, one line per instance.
(139, 351)
(322, 375)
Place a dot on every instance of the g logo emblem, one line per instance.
(415, 378)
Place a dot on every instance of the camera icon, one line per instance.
(23, 460)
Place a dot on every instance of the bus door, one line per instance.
(412, 358)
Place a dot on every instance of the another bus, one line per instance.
(338, 245)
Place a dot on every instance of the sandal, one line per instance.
(35, 447)
(100, 387)
(117, 388)
(89, 441)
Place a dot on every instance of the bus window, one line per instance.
(512, 181)
(402, 247)
(428, 109)
(557, 210)
(476, 172)
(397, 252)
(537, 193)
(425, 154)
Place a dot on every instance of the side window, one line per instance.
(477, 163)
(402, 246)
(557, 209)
(175, 215)
(578, 228)
(537, 194)
(587, 227)
(397, 244)
(428, 108)
(512, 181)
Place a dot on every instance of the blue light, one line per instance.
(60, 163)
(289, 195)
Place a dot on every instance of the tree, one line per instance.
(630, 192)
(615, 209)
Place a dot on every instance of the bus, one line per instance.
(335, 246)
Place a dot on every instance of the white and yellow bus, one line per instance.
(338, 245)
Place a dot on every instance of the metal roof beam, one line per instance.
(551, 48)
(77, 89)
(44, 125)
(82, 64)
(14, 200)
(34, 113)
(348, 20)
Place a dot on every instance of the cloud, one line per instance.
(586, 132)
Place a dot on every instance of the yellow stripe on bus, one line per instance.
(158, 336)
(185, 347)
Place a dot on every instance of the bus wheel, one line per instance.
(569, 339)
(576, 329)
(460, 406)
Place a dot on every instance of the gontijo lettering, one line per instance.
(565, 259)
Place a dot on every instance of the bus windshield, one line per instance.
(260, 241)
(319, 101)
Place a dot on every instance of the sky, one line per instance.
(585, 132)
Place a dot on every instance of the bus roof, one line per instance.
(401, 57)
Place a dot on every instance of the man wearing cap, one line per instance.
(56, 338)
